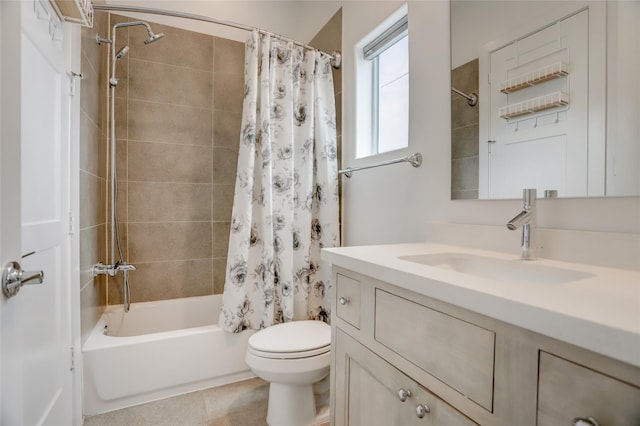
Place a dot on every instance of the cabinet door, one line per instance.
(368, 392)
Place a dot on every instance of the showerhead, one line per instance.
(122, 52)
(153, 37)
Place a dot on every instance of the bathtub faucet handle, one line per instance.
(100, 268)
(124, 267)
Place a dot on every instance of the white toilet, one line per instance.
(292, 357)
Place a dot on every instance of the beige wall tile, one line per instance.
(465, 77)
(462, 114)
(178, 124)
(92, 243)
(156, 162)
(90, 146)
(150, 242)
(163, 202)
(166, 128)
(88, 40)
(93, 149)
(171, 280)
(464, 174)
(220, 238)
(178, 47)
(222, 202)
(339, 114)
(90, 91)
(219, 274)
(229, 57)
(156, 82)
(328, 39)
(121, 113)
(228, 91)
(226, 128)
(92, 196)
(464, 142)
(121, 160)
(225, 162)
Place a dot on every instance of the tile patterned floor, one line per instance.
(238, 404)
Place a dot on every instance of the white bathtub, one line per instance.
(158, 350)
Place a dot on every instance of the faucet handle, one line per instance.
(529, 196)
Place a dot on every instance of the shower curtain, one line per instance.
(285, 207)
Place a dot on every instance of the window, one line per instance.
(388, 55)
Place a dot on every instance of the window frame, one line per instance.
(394, 29)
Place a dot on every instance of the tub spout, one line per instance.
(527, 220)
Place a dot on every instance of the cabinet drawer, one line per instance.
(348, 299)
(567, 390)
(456, 352)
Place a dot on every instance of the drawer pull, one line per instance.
(422, 410)
(403, 394)
(344, 300)
(585, 421)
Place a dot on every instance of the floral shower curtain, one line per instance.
(286, 197)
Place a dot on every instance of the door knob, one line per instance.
(14, 277)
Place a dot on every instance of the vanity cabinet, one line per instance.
(403, 358)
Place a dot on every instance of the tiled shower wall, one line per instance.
(93, 155)
(465, 121)
(329, 39)
(178, 114)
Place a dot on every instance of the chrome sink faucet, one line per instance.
(527, 219)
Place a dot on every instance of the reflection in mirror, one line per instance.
(558, 98)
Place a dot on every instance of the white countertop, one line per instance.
(600, 313)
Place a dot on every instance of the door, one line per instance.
(547, 149)
(34, 203)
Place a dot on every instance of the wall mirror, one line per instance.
(558, 105)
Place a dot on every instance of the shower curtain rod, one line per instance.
(336, 56)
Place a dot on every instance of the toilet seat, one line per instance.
(297, 339)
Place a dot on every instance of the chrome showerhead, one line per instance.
(153, 37)
(122, 52)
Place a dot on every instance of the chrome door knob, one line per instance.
(422, 410)
(585, 421)
(14, 277)
(403, 394)
(344, 300)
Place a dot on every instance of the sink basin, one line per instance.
(512, 271)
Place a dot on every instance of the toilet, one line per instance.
(292, 357)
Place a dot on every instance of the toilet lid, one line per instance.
(292, 337)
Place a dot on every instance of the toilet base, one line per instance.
(291, 405)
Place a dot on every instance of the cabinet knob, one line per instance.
(585, 421)
(344, 300)
(403, 394)
(422, 410)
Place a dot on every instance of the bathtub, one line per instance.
(158, 350)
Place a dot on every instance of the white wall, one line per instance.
(399, 203)
(298, 20)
